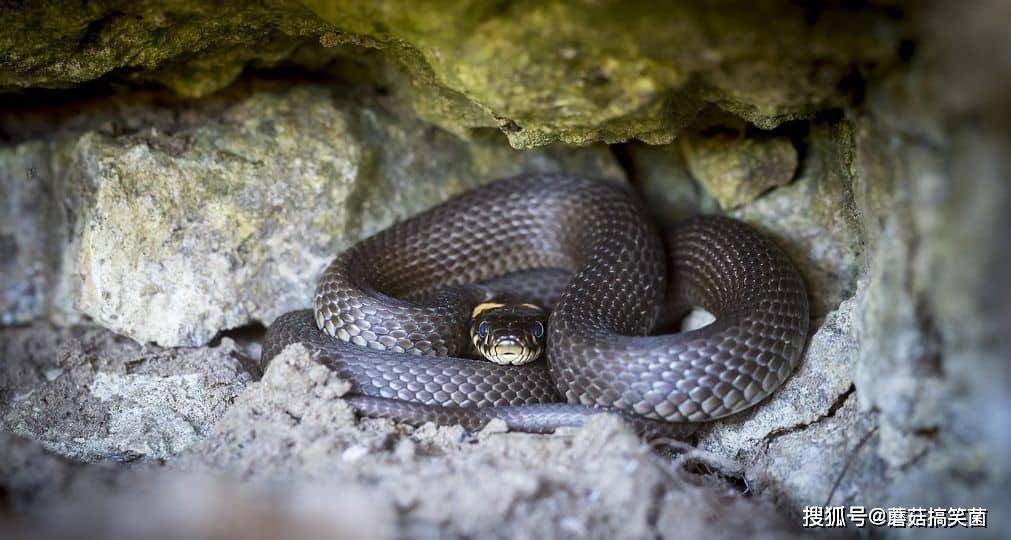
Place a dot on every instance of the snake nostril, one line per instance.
(508, 348)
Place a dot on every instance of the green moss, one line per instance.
(193, 47)
(736, 170)
(540, 71)
(611, 71)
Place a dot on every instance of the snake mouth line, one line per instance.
(509, 334)
(509, 352)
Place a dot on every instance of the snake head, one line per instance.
(509, 333)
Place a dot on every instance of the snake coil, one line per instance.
(408, 292)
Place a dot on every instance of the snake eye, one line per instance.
(482, 329)
(537, 329)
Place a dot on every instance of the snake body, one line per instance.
(408, 291)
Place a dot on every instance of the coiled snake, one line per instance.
(584, 248)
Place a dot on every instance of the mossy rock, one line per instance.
(540, 71)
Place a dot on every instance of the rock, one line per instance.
(736, 169)
(934, 319)
(591, 481)
(290, 453)
(58, 500)
(829, 462)
(541, 74)
(92, 396)
(29, 475)
(667, 186)
(815, 218)
(795, 447)
(192, 47)
(821, 382)
(32, 216)
(174, 236)
(897, 400)
(856, 412)
(930, 379)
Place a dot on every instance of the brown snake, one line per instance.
(407, 292)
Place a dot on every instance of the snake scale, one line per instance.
(391, 312)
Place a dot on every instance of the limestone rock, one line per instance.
(174, 236)
(95, 397)
(737, 169)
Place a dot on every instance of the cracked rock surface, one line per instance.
(93, 396)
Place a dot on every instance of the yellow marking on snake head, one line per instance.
(481, 308)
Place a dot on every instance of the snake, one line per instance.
(393, 314)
